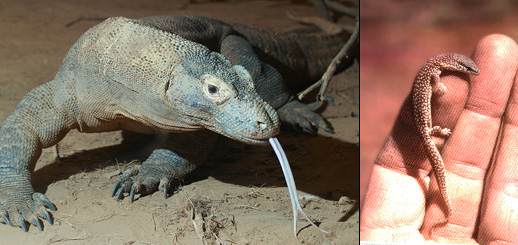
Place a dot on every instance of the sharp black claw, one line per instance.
(38, 224)
(329, 130)
(49, 204)
(7, 220)
(164, 186)
(310, 129)
(22, 223)
(47, 217)
(329, 99)
(132, 193)
(117, 185)
(121, 190)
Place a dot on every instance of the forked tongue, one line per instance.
(291, 185)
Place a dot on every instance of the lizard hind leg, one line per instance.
(438, 131)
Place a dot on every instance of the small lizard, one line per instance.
(426, 83)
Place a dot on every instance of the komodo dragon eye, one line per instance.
(215, 89)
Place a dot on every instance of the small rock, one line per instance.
(113, 173)
(344, 200)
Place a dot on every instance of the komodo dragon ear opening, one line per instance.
(215, 89)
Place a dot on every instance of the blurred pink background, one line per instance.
(397, 37)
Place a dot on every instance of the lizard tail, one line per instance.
(438, 170)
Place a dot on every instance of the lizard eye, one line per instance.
(213, 89)
(216, 89)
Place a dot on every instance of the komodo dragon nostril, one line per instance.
(262, 125)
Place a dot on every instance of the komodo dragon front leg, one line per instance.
(177, 156)
(37, 122)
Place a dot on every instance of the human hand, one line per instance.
(403, 205)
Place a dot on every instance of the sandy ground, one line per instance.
(238, 197)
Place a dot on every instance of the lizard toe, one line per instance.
(308, 127)
(164, 186)
(144, 180)
(134, 181)
(6, 219)
(295, 113)
(143, 185)
(136, 187)
(125, 187)
(36, 221)
(47, 216)
(126, 176)
(24, 210)
(21, 222)
(43, 201)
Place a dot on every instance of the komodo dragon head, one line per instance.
(166, 83)
(221, 97)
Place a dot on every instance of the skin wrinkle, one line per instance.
(482, 106)
(466, 169)
(422, 173)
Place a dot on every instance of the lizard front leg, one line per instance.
(178, 155)
(36, 122)
(438, 88)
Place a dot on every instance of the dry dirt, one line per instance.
(238, 197)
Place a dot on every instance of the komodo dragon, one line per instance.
(159, 75)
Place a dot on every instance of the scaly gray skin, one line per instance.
(275, 60)
(158, 75)
(426, 83)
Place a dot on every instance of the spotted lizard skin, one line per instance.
(426, 84)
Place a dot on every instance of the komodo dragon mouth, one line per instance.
(260, 137)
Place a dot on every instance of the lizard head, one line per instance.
(221, 97)
(457, 62)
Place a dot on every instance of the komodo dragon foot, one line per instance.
(176, 157)
(294, 113)
(141, 181)
(159, 171)
(20, 203)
